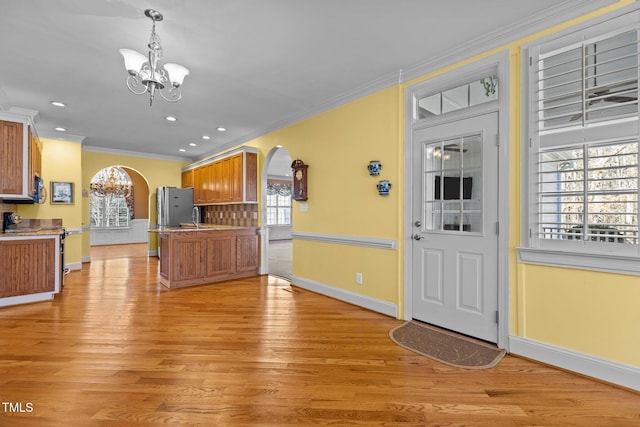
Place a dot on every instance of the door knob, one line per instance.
(417, 236)
(417, 223)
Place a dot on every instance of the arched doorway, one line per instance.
(119, 208)
(276, 214)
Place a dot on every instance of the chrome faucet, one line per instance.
(195, 216)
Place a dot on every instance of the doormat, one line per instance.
(445, 346)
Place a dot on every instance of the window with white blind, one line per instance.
(588, 83)
(583, 174)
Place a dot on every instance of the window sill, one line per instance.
(110, 228)
(613, 263)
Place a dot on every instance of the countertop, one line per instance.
(31, 232)
(203, 227)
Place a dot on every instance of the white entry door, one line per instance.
(455, 214)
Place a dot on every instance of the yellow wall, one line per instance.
(592, 312)
(588, 312)
(157, 173)
(343, 199)
(60, 161)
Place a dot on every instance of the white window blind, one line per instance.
(585, 143)
(588, 83)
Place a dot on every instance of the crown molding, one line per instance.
(561, 12)
(62, 137)
(95, 149)
(558, 14)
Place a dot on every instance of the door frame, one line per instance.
(497, 64)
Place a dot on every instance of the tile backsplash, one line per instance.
(241, 214)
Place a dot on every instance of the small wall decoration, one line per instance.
(374, 167)
(299, 170)
(61, 193)
(384, 187)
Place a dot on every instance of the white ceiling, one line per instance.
(254, 65)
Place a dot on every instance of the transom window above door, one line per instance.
(457, 98)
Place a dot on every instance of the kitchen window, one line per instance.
(583, 156)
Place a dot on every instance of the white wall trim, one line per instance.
(137, 232)
(559, 13)
(373, 304)
(585, 261)
(368, 242)
(134, 153)
(595, 367)
(25, 299)
(73, 266)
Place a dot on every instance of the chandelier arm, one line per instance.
(135, 85)
(173, 94)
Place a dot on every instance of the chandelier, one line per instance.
(112, 182)
(144, 74)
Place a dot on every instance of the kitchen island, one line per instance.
(191, 256)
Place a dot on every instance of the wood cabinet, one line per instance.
(187, 179)
(12, 159)
(199, 194)
(20, 159)
(31, 268)
(202, 256)
(35, 155)
(231, 179)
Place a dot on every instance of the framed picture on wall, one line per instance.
(61, 193)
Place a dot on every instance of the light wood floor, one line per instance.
(118, 349)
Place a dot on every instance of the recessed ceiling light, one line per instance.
(206, 137)
(171, 118)
(59, 129)
(182, 150)
(221, 129)
(58, 104)
(192, 144)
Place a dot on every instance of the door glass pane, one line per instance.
(452, 193)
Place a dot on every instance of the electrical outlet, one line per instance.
(359, 278)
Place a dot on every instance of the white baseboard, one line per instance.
(25, 299)
(86, 259)
(595, 367)
(373, 304)
(152, 253)
(74, 265)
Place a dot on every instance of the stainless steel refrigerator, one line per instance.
(175, 206)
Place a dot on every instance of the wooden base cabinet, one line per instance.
(201, 257)
(30, 268)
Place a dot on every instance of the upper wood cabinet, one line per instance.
(231, 179)
(20, 159)
(12, 163)
(187, 179)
